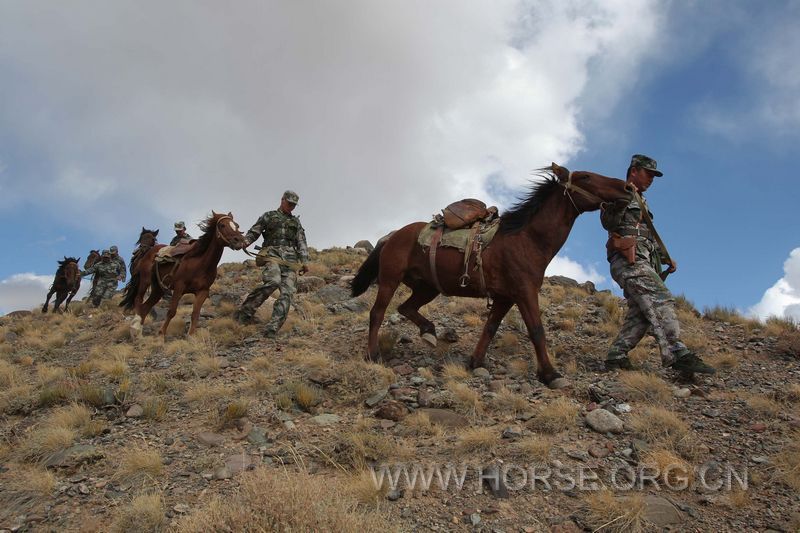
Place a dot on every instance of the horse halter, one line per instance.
(219, 233)
(571, 187)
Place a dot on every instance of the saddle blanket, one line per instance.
(458, 238)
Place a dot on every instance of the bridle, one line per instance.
(571, 187)
(219, 233)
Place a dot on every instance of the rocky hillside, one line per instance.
(229, 431)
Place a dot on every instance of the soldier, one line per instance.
(180, 234)
(106, 272)
(636, 255)
(286, 253)
(116, 258)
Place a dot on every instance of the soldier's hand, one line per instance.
(303, 269)
(673, 266)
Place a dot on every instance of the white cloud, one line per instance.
(376, 113)
(27, 290)
(783, 298)
(564, 266)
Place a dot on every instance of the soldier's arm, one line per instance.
(612, 213)
(255, 230)
(302, 247)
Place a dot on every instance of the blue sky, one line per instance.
(115, 116)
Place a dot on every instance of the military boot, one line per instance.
(619, 363)
(243, 318)
(689, 364)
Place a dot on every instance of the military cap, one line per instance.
(113, 249)
(291, 197)
(180, 225)
(647, 163)
(106, 252)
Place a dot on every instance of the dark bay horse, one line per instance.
(192, 274)
(91, 259)
(514, 262)
(147, 239)
(65, 285)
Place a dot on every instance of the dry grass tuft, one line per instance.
(55, 393)
(466, 399)
(663, 428)
(518, 367)
(310, 360)
(420, 423)
(154, 408)
(787, 462)
(9, 375)
(507, 341)
(645, 387)
(145, 513)
(207, 365)
(77, 417)
(43, 442)
(556, 416)
(455, 372)
(206, 393)
(508, 401)
(140, 467)
(740, 499)
(269, 500)
(233, 411)
(359, 449)
(696, 341)
(723, 360)
(536, 448)
(605, 512)
(763, 406)
(477, 440)
(363, 487)
(307, 396)
(674, 472)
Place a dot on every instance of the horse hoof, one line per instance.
(429, 338)
(135, 329)
(559, 383)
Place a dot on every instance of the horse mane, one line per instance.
(209, 229)
(520, 214)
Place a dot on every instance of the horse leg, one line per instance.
(499, 309)
(421, 294)
(529, 309)
(199, 298)
(144, 308)
(173, 309)
(59, 298)
(69, 299)
(47, 301)
(386, 290)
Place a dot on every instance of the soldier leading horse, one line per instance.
(514, 262)
(65, 285)
(193, 273)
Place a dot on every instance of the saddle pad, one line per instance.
(457, 238)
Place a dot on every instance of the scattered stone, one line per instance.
(578, 455)
(394, 495)
(376, 398)
(591, 407)
(403, 370)
(599, 452)
(512, 432)
(760, 459)
(309, 283)
(364, 244)
(331, 294)
(424, 397)
(682, 393)
(493, 480)
(180, 508)
(661, 512)
(210, 439)
(135, 411)
(238, 463)
(445, 417)
(497, 385)
(623, 408)
(257, 436)
(474, 519)
(758, 427)
(387, 424)
(603, 422)
(482, 373)
(449, 335)
(417, 380)
(222, 473)
(326, 419)
(288, 424)
(74, 456)
(392, 410)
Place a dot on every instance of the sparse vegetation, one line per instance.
(645, 387)
(606, 512)
(555, 416)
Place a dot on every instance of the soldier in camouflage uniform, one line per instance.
(650, 304)
(287, 253)
(180, 234)
(107, 272)
(116, 258)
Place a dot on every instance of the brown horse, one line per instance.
(147, 239)
(194, 273)
(65, 285)
(91, 259)
(514, 262)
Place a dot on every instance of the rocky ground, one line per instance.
(230, 431)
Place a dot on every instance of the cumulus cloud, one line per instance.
(23, 291)
(783, 298)
(134, 113)
(572, 269)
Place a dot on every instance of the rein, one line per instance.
(571, 187)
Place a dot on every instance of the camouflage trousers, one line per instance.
(274, 276)
(650, 307)
(104, 290)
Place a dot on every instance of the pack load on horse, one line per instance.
(65, 285)
(189, 270)
(509, 259)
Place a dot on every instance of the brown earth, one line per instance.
(230, 431)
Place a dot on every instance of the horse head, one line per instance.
(147, 237)
(588, 191)
(228, 230)
(92, 258)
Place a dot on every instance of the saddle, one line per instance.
(467, 225)
(172, 254)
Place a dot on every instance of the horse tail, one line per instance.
(129, 292)
(367, 272)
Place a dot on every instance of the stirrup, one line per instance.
(463, 281)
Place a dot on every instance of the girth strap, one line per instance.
(437, 236)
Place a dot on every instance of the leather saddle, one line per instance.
(171, 254)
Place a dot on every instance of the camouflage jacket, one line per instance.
(625, 217)
(283, 233)
(177, 239)
(103, 270)
(123, 269)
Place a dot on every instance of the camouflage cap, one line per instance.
(106, 253)
(113, 249)
(647, 163)
(291, 197)
(180, 225)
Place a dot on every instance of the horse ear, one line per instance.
(230, 214)
(156, 233)
(78, 260)
(561, 172)
(213, 213)
(143, 230)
